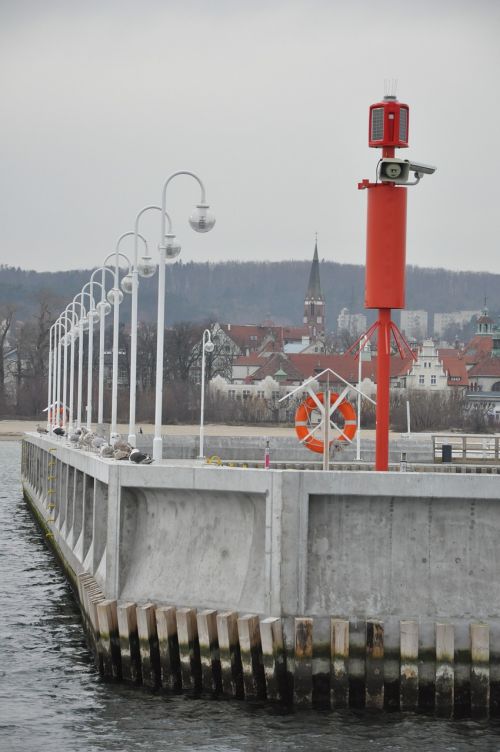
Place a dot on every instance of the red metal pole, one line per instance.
(383, 382)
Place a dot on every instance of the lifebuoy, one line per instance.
(303, 424)
(53, 416)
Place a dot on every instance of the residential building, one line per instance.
(443, 320)
(353, 323)
(414, 324)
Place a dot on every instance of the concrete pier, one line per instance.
(343, 587)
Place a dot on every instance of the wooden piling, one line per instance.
(108, 638)
(339, 672)
(168, 644)
(274, 659)
(251, 657)
(302, 679)
(229, 653)
(148, 645)
(408, 687)
(480, 668)
(189, 648)
(374, 691)
(129, 642)
(209, 651)
(445, 674)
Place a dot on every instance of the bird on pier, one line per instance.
(106, 451)
(121, 454)
(40, 430)
(98, 442)
(58, 431)
(75, 436)
(141, 458)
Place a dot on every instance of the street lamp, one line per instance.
(104, 309)
(115, 297)
(201, 220)
(146, 268)
(207, 346)
(363, 347)
(73, 334)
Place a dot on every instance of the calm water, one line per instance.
(52, 699)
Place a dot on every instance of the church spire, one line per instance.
(314, 286)
(314, 303)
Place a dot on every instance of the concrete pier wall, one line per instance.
(358, 569)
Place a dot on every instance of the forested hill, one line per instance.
(250, 292)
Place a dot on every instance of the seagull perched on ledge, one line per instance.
(141, 458)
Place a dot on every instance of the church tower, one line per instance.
(314, 303)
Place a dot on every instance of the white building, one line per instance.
(354, 323)
(427, 371)
(414, 324)
(443, 320)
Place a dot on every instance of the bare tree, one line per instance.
(7, 313)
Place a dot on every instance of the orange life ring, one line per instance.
(303, 425)
(53, 415)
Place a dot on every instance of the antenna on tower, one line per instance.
(390, 88)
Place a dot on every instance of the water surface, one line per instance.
(52, 699)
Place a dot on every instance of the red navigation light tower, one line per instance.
(386, 248)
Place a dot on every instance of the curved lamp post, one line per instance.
(201, 220)
(207, 346)
(115, 297)
(145, 268)
(73, 334)
(104, 309)
(51, 379)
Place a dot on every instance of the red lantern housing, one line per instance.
(388, 124)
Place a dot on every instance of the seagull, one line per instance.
(40, 429)
(121, 454)
(98, 442)
(141, 458)
(106, 451)
(75, 436)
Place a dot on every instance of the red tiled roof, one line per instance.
(486, 367)
(455, 368)
(478, 347)
(272, 364)
(346, 365)
(254, 359)
(250, 336)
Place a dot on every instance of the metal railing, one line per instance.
(475, 447)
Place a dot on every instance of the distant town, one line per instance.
(455, 369)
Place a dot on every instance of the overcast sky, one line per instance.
(267, 102)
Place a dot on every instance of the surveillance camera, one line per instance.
(421, 168)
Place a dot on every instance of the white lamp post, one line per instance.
(206, 346)
(115, 297)
(363, 346)
(104, 308)
(74, 332)
(146, 268)
(200, 220)
(51, 379)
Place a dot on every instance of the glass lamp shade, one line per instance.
(209, 346)
(201, 219)
(84, 324)
(93, 315)
(127, 283)
(111, 296)
(104, 305)
(172, 249)
(146, 267)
